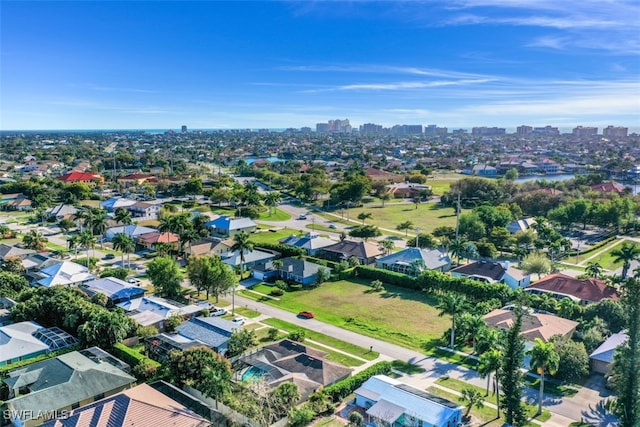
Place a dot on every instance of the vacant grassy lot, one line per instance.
(275, 215)
(427, 216)
(604, 258)
(396, 315)
(272, 236)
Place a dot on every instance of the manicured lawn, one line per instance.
(272, 236)
(406, 367)
(361, 352)
(247, 312)
(319, 227)
(458, 385)
(328, 422)
(276, 215)
(397, 315)
(605, 259)
(427, 216)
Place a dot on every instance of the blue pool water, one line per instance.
(252, 374)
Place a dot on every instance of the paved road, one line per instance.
(587, 404)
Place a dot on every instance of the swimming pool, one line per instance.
(252, 374)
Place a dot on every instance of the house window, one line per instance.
(98, 397)
(75, 405)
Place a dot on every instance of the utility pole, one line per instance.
(417, 237)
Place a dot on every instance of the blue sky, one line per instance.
(215, 64)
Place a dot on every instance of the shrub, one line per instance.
(285, 250)
(281, 284)
(355, 419)
(300, 416)
(342, 389)
(295, 286)
(272, 334)
(276, 292)
(298, 335)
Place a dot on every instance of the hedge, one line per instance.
(435, 281)
(130, 356)
(344, 388)
(285, 250)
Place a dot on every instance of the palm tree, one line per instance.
(593, 269)
(73, 242)
(488, 363)
(124, 243)
(544, 359)
(387, 246)
(241, 243)
(406, 226)
(34, 240)
(385, 197)
(271, 200)
(473, 398)
(123, 216)
(88, 240)
(475, 324)
(628, 252)
(199, 225)
(416, 267)
(277, 265)
(453, 305)
(457, 248)
(364, 215)
(98, 223)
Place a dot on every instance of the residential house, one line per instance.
(153, 311)
(291, 361)
(406, 190)
(406, 260)
(150, 240)
(521, 225)
(481, 170)
(251, 258)
(609, 187)
(584, 291)
(214, 332)
(493, 272)
(602, 357)
(61, 384)
(548, 166)
(116, 290)
(131, 230)
(160, 345)
(365, 252)
(136, 178)
(26, 340)
(390, 402)
(144, 210)
(376, 175)
(295, 270)
(112, 204)
(6, 199)
(65, 273)
(534, 324)
(142, 406)
(310, 242)
(87, 178)
(21, 204)
(62, 211)
(208, 246)
(10, 251)
(225, 226)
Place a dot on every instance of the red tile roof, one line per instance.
(608, 187)
(590, 290)
(79, 176)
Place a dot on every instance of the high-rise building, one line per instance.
(584, 132)
(546, 131)
(370, 128)
(435, 130)
(615, 132)
(487, 131)
(322, 127)
(524, 130)
(184, 128)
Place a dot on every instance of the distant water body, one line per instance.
(250, 160)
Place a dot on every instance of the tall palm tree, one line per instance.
(73, 242)
(364, 215)
(272, 199)
(473, 398)
(277, 265)
(488, 363)
(125, 244)
(98, 223)
(242, 244)
(475, 325)
(544, 359)
(457, 248)
(88, 240)
(34, 240)
(453, 305)
(626, 253)
(123, 216)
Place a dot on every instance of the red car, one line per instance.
(306, 314)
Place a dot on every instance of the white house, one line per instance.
(63, 274)
(391, 402)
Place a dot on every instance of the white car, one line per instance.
(135, 281)
(238, 321)
(218, 312)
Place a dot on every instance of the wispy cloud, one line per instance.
(395, 86)
(103, 88)
(382, 69)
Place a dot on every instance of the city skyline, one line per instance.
(238, 65)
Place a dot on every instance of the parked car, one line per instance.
(238, 321)
(306, 314)
(109, 256)
(134, 281)
(332, 226)
(218, 311)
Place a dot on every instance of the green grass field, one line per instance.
(272, 236)
(427, 216)
(397, 315)
(604, 258)
(276, 215)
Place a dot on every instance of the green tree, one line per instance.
(34, 240)
(240, 341)
(473, 398)
(193, 365)
(13, 264)
(625, 254)
(122, 216)
(88, 241)
(488, 363)
(594, 269)
(322, 275)
(283, 398)
(544, 359)
(453, 305)
(626, 365)
(511, 174)
(166, 276)
(210, 274)
(406, 226)
(105, 329)
(125, 244)
(12, 284)
(364, 215)
(510, 375)
(272, 199)
(387, 245)
(216, 380)
(536, 263)
(365, 232)
(65, 225)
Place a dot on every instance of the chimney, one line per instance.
(506, 265)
